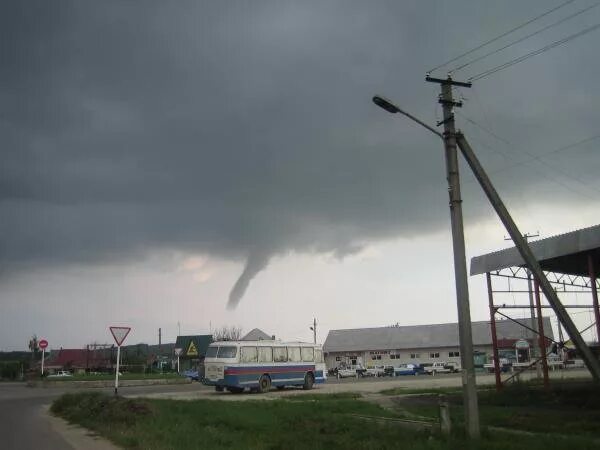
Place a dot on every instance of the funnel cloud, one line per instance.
(257, 261)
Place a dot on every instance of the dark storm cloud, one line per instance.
(234, 128)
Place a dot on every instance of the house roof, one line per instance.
(79, 358)
(257, 335)
(193, 346)
(566, 253)
(424, 336)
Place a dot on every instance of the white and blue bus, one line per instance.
(258, 365)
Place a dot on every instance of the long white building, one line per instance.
(397, 345)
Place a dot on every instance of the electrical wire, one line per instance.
(502, 35)
(539, 51)
(538, 159)
(552, 25)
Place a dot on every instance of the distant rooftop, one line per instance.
(566, 253)
(257, 335)
(424, 336)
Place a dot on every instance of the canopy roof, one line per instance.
(566, 253)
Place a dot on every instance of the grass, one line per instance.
(296, 422)
(571, 409)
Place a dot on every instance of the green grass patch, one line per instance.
(571, 409)
(407, 391)
(299, 422)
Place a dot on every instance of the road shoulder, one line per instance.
(78, 438)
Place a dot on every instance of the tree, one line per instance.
(34, 346)
(227, 333)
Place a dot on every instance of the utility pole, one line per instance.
(314, 330)
(533, 324)
(460, 265)
(159, 340)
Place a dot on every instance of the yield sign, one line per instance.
(120, 333)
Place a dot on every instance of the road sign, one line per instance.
(178, 351)
(192, 350)
(119, 334)
(43, 343)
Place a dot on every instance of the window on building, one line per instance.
(395, 356)
(249, 354)
(294, 354)
(415, 355)
(453, 354)
(308, 354)
(338, 358)
(434, 355)
(265, 354)
(280, 354)
(375, 357)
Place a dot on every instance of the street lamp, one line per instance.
(384, 103)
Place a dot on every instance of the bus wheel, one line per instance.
(309, 380)
(264, 384)
(219, 388)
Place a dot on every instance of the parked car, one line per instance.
(438, 367)
(408, 369)
(454, 366)
(377, 371)
(192, 374)
(61, 374)
(346, 372)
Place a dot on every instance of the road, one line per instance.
(24, 424)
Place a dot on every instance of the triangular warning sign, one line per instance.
(192, 350)
(119, 334)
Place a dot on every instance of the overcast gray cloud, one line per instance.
(245, 129)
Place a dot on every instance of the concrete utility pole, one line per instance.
(460, 264)
(314, 330)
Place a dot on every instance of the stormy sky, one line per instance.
(196, 162)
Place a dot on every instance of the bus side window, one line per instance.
(249, 354)
(308, 354)
(318, 355)
(294, 354)
(265, 354)
(280, 354)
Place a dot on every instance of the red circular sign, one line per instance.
(43, 344)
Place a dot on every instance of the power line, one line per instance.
(512, 62)
(502, 35)
(539, 159)
(493, 52)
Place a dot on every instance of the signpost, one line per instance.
(119, 334)
(178, 352)
(43, 344)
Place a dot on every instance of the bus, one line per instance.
(258, 365)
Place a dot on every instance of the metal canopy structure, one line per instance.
(569, 261)
(566, 254)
